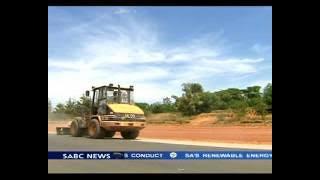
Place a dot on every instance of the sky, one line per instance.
(156, 49)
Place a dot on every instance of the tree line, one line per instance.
(194, 100)
(72, 107)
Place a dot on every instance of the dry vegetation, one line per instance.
(216, 117)
(58, 117)
(167, 118)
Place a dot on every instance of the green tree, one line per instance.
(235, 94)
(216, 102)
(206, 102)
(253, 95)
(240, 108)
(193, 100)
(145, 107)
(60, 108)
(71, 107)
(167, 105)
(192, 88)
(49, 106)
(253, 92)
(226, 98)
(166, 100)
(83, 106)
(260, 108)
(157, 108)
(252, 102)
(267, 95)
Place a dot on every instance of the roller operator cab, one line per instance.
(112, 110)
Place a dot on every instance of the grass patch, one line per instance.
(230, 117)
(167, 118)
(251, 121)
(58, 117)
(221, 117)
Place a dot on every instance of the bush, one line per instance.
(194, 101)
(267, 95)
(157, 108)
(145, 107)
(221, 117)
(261, 109)
(58, 117)
(166, 118)
(240, 109)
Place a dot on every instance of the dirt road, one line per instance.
(226, 133)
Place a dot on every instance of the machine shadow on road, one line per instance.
(109, 138)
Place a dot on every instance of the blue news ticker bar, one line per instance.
(161, 155)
